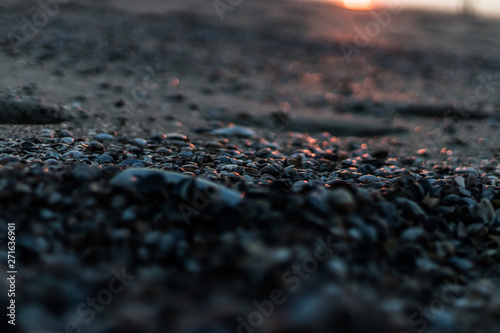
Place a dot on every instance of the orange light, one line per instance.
(358, 4)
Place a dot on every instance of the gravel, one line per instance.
(222, 228)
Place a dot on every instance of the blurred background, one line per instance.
(479, 7)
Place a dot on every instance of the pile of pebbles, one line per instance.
(210, 230)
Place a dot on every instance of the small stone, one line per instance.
(132, 161)
(47, 133)
(140, 142)
(51, 161)
(176, 136)
(67, 140)
(103, 137)
(29, 146)
(485, 211)
(342, 198)
(415, 234)
(95, 146)
(236, 130)
(104, 158)
(368, 179)
(186, 153)
(163, 151)
(460, 181)
(252, 172)
(65, 133)
(74, 154)
(85, 173)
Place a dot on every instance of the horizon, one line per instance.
(488, 8)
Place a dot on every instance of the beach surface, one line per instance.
(271, 166)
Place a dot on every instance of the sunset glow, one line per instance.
(358, 4)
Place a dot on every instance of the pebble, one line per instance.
(163, 151)
(128, 179)
(140, 142)
(236, 130)
(67, 140)
(104, 158)
(103, 137)
(283, 215)
(176, 136)
(255, 207)
(47, 133)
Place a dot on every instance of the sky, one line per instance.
(484, 7)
